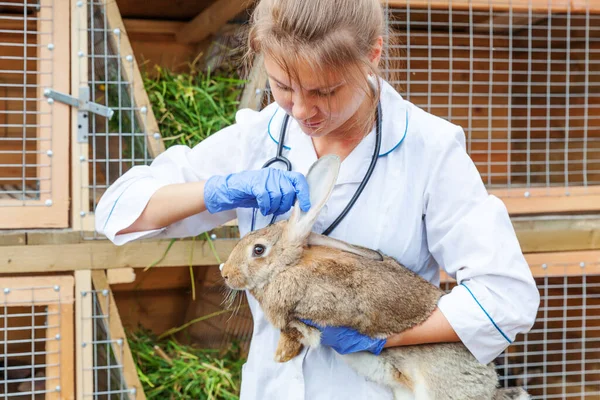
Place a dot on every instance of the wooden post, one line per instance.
(116, 331)
(131, 70)
(83, 340)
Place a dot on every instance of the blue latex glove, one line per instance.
(346, 340)
(271, 190)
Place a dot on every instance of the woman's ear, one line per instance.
(376, 51)
(321, 179)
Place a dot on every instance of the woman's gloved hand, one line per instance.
(346, 340)
(273, 191)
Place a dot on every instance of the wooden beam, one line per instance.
(120, 275)
(254, 90)
(116, 331)
(152, 27)
(557, 233)
(80, 193)
(535, 201)
(96, 254)
(83, 328)
(211, 19)
(132, 74)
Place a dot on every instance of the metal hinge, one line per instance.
(84, 106)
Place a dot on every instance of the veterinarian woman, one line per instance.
(423, 202)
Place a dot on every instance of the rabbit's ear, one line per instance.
(321, 179)
(321, 240)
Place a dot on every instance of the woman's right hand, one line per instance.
(273, 191)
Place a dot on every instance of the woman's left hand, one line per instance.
(346, 340)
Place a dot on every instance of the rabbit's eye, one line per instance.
(259, 250)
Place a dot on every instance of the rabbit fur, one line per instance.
(296, 274)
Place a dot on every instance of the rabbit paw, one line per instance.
(288, 347)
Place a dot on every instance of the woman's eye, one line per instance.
(284, 88)
(259, 250)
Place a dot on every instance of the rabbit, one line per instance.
(296, 274)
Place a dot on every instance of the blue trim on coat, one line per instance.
(401, 140)
(269, 130)
(486, 313)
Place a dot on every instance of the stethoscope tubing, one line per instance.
(280, 158)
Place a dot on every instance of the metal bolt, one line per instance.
(213, 236)
(143, 110)
(49, 153)
(50, 101)
(83, 344)
(56, 288)
(157, 136)
(133, 390)
(544, 266)
(47, 92)
(80, 53)
(582, 264)
(129, 58)
(82, 213)
(258, 91)
(50, 46)
(57, 336)
(117, 31)
(81, 158)
(527, 194)
(105, 292)
(120, 342)
(567, 193)
(48, 202)
(83, 293)
(57, 389)
(6, 290)
(79, 3)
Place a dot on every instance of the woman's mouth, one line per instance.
(311, 125)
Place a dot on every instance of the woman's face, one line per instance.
(321, 106)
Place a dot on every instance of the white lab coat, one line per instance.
(425, 205)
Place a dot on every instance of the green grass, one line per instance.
(169, 370)
(191, 106)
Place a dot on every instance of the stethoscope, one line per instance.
(280, 158)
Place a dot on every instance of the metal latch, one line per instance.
(84, 106)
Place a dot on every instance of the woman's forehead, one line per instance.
(302, 72)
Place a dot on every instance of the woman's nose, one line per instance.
(303, 108)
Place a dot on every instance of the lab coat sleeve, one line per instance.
(470, 235)
(128, 196)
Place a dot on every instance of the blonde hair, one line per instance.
(328, 35)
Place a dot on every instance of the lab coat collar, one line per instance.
(298, 147)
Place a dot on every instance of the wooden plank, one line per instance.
(158, 279)
(79, 150)
(120, 275)
(132, 74)
(23, 291)
(152, 27)
(9, 238)
(531, 201)
(211, 19)
(557, 264)
(105, 255)
(39, 237)
(116, 330)
(254, 90)
(84, 329)
(556, 6)
(549, 234)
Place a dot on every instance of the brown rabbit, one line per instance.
(296, 274)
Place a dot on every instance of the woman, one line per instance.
(424, 204)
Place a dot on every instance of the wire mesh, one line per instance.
(559, 358)
(522, 83)
(107, 381)
(118, 143)
(29, 348)
(23, 127)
